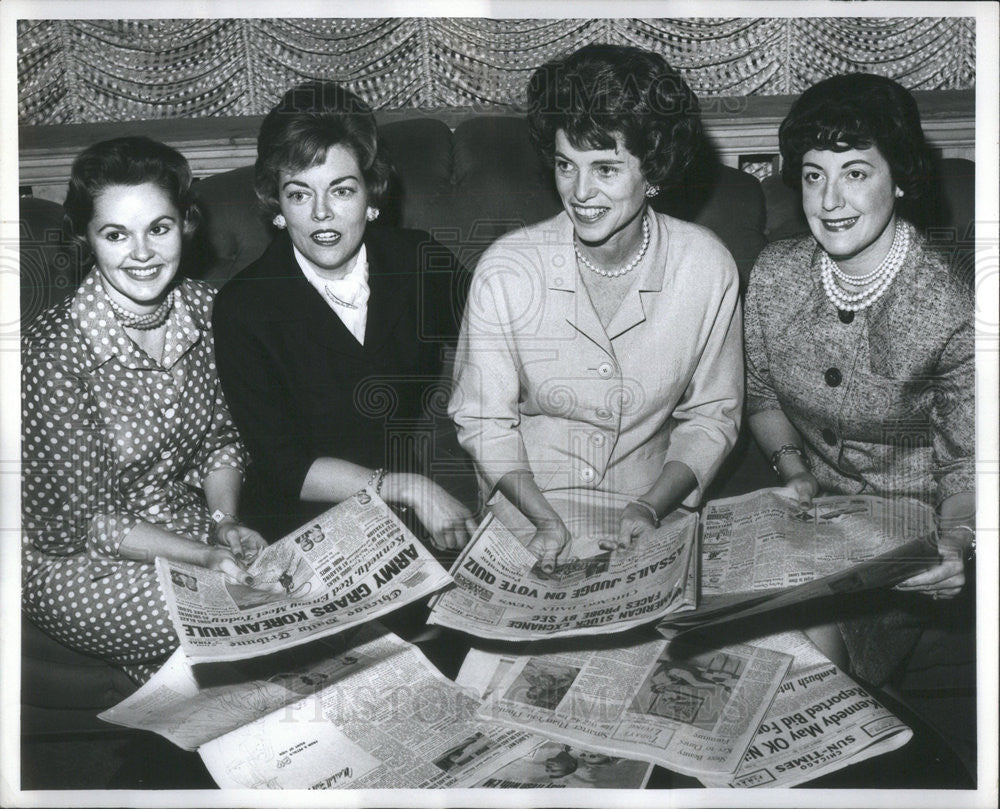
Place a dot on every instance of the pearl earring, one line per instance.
(372, 214)
(652, 191)
(278, 221)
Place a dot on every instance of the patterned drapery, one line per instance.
(83, 71)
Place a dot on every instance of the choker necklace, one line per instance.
(628, 267)
(872, 284)
(143, 322)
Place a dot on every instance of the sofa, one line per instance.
(467, 186)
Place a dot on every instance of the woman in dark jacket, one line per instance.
(330, 345)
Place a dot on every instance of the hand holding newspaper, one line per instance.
(760, 552)
(502, 592)
(353, 563)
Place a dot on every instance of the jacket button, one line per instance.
(587, 474)
(597, 439)
(829, 436)
(833, 377)
(845, 315)
(605, 370)
(603, 413)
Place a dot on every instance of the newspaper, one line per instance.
(695, 715)
(550, 764)
(361, 710)
(820, 721)
(353, 563)
(502, 592)
(760, 551)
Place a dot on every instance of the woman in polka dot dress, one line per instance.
(128, 449)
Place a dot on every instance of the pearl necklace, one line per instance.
(622, 270)
(143, 322)
(874, 283)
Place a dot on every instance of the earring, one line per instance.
(652, 191)
(899, 193)
(278, 221)
(372, 213)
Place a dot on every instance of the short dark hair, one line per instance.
(858, 111)
(128, 161)
(297, 133)
(599, 91)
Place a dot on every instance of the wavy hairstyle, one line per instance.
(308, 120)
(858, 111)
(128, 161)
(600, 91)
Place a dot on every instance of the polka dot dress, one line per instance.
(112, 438)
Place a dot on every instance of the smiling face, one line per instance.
(603, 191)
(136, 234)
(849, 200)
(324, 208)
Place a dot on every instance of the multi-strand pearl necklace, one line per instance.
(143, 322)
(622, 270)
(873, 284)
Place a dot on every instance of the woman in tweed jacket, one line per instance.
(859, 347)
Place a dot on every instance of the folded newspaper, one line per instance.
(761, 552)
(364, 709)
(501, 591)
(355, 562)
(696, 715)
(672, 712)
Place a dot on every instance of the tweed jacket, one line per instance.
(301, 387)
(885, 403)
(541, 385)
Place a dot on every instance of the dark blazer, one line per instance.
(301, 387)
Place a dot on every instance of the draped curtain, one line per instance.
(84, 71)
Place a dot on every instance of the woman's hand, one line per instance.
(222, 559)
(947, 578)
(449, 523)
(801, 488)
(635, 522)
(548, 542)
(243, 542)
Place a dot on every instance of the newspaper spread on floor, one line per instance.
(695, 715)
(820, 721)
(350, 564)
(363, 709)
(760, 551)
(550, 765)
(501, 591)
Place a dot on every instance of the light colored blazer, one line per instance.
(541, 385)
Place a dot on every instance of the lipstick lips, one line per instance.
(325, 238)
(143, 273)
(589, 213)
(840, 225)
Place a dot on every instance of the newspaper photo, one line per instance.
(502, 593)
(820, 721)
(761, 552)
(360, 710)
(695, 715)
(355, 562)
(551, 765)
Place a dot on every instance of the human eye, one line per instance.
(857, 174)
(295, 195)
(563, 166)
(114, 236)
(160, 230)
(811, 176)
(344, 191)
(607, 172)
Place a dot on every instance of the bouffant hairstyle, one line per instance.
(600, 91)
(127, 161)
(858, 111)
(308, 120)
